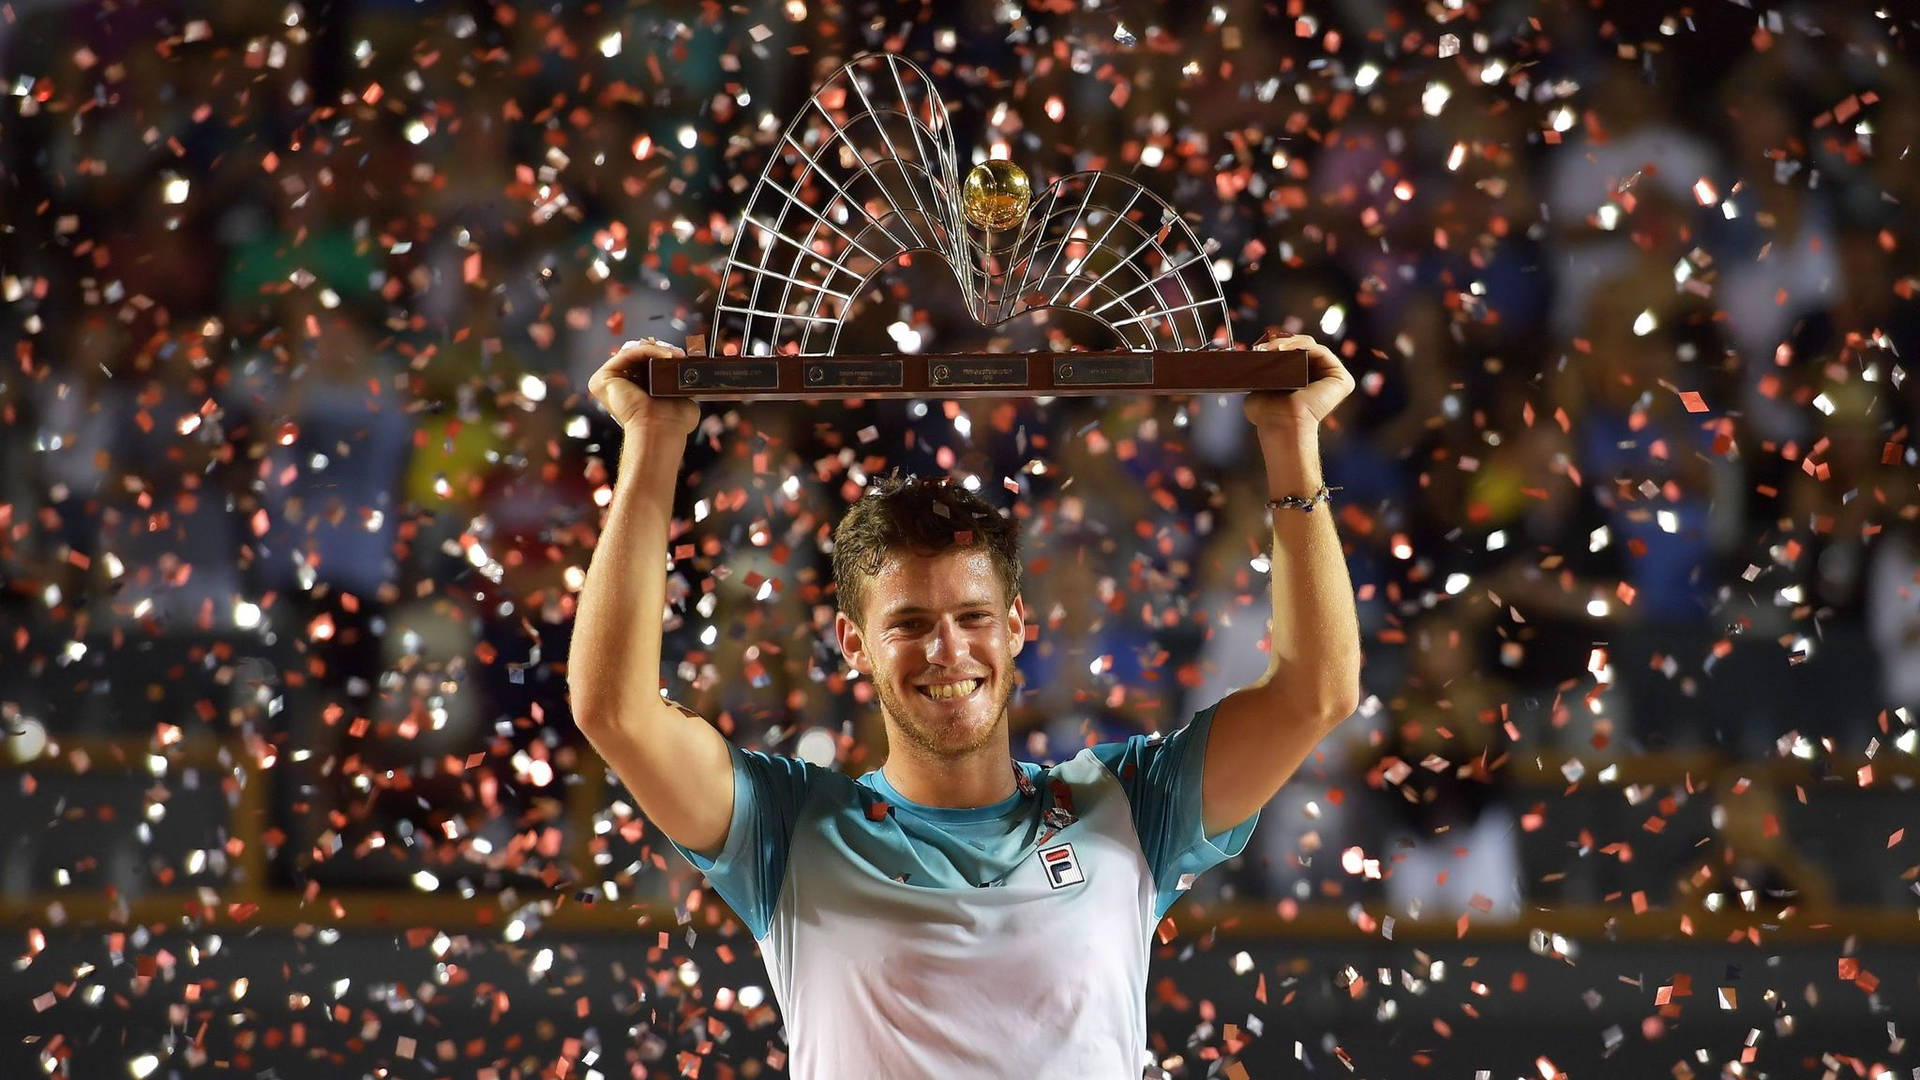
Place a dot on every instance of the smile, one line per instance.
(950, 691)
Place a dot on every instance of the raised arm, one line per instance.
(675, 764)
(1262, 733)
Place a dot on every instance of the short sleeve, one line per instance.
(1161, 777)
(769, 791)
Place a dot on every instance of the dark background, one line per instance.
(297, 475)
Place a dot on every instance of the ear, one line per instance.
(1017, 624)
(853, 643)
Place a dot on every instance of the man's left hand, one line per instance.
(1328, 384)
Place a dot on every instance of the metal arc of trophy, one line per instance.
(866, 175)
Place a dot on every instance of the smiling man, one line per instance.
(956, 912)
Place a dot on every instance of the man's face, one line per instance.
(938, 638)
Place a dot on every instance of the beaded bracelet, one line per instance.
(1307, 503)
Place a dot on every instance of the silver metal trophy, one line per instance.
(866, 174)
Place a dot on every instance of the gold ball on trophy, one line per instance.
(995, 195)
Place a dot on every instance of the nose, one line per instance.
(944, 644)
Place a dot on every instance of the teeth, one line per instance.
(951, 690)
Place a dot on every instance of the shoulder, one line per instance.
(1124, 757)
(1096, 763)
(1127, 759)
(1092, 774)
(795, 777)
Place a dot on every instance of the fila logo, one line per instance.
(1063, 868)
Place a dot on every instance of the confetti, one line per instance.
(304, 478)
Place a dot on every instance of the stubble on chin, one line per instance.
(894, 712)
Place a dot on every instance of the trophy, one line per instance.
(865, 179)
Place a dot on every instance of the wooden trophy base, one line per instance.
(959, 375)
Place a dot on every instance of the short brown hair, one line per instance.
(905, 513)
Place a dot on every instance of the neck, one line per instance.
(981, 778)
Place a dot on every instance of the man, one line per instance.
(956, 913)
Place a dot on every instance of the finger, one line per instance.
(599, 384)
(1319, 356)
(653, 346)
(1331, 372)
(642, 350)
(1325, 367)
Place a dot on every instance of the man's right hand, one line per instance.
(635, 409)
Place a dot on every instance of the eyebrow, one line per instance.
(894, 613)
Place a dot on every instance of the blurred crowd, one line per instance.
(300, 313)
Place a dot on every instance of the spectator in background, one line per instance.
(1453, 847)
(1645, 460)
(1466, 309)
(1752, 863)
(1625, 178)
(1893, 612)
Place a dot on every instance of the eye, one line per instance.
(977, 618)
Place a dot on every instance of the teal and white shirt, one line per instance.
(1008, 940)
